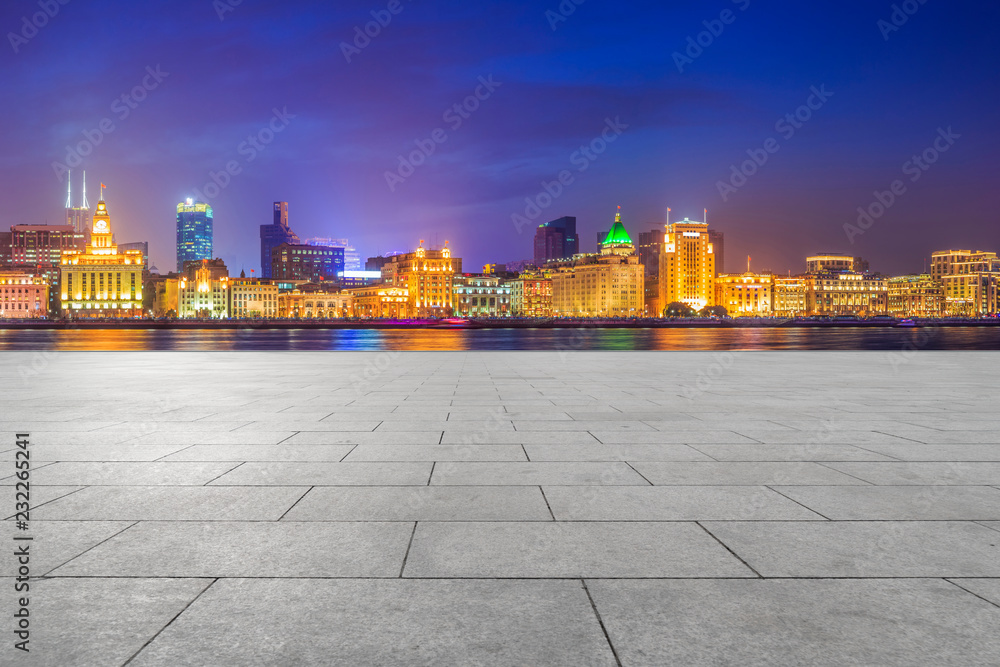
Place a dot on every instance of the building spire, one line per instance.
(69, 189)
(618, 215)
(85, 204)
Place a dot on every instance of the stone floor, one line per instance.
(544, 508)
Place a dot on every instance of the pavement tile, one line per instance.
(326, 474)
(385, 622)
(437, 453)
(988, 589)
(534, 474)
(926, 473)
(247, 549)
(595, 451)
(568, 549)
(822, 622)
(899, 503)
(131, 473)
(818, 452)
(283, 452)
(737, 473)
(55, 542)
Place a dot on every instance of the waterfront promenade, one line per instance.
(506, 508)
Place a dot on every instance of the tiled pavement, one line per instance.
(544, 508)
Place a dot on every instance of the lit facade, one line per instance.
(481, 296)
(916, 296)
(23, 296)
(381, 302)
(790, 296)
(315, 303)
(835, 262)
(970, 280)
(252, 297)
(531, 296)
(745, 295)
(203, 292)
(100, 281)
(428, 277)
(161, 295)
(194, 232)
(306, 262)
(847, 294)
(687, 266)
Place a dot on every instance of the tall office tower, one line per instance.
(649, 248)
(687, 266)
(78, 216)
(273, 235)
(352, 258)
(717, 239)
(556, 240)
(39, 249)
(194, 232)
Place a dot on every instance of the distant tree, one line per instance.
(713, 311)
(678, 309)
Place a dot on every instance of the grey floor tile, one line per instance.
(899, 503)
(928, 473)
(377, 622)
(55, 542)
(422, 503)
(988, 589)
(829, 623)
(671, 437)
(567, 549)
(239, 437)
(517, 438)
(327, 474)
(817, 452)
(283, 452)
(38, 495)
(682, 503)
(131, 473)
(119, 452)
(247, 549)
(357, 438)
(437, 453)
(618, 425)
(743, 472)
(534, 474)
(600, 452)
(176, 503)
(917, 452)
(863, 548)
(96, 622)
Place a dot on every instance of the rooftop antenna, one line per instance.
(668, 215)
(706, 216)
(69, 189)
(85, 204)
(102, 192)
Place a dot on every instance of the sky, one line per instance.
(635, 104)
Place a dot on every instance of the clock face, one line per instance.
(101, 225)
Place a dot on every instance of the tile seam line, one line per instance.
(296, 503)
(726, 547)
(974, 594)
(600, 622)
(110, 537)
(409, 546)
(170, 622)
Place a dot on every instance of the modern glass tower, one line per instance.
(273, 235)
(194, 232)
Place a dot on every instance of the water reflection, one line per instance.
(941, 338)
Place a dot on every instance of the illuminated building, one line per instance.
(610, 284)
(306, 262)
(23, 295)
(427, 275)
(274, 235)
(194, 232)
(78, 217)
(846, 294)
(352, 258)
(833, 262)
(38, 250)
(203, 291)
(161, 296)
(970, 280)
(790, 296)
(687, 266)
(312, 301)
(380, 301)
(556, 240)
(252, 297)
(360, 278)
(531, 296)
(746, 294)
(100, 281)
(481, 296)
(916, 296)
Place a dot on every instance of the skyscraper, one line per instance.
(194, 232)
(687, 266)
(556, 240)
(273, 235)
(77, 216)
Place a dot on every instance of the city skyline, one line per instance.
(325, 132)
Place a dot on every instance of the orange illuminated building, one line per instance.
(100, 281)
